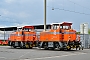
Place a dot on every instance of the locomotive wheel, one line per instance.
(79, 48)
(27, 46)
(30, 46)
(52, 48)
(46, 48)
(21, 46)
(69, 49)
(76, 48)
(61, 49)
(82, 48)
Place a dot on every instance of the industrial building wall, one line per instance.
(4, 35)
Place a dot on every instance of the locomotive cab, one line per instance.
(69, 36)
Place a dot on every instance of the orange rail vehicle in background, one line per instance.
(0, 42)
(60, 36)
(3, 42)
(23, 38)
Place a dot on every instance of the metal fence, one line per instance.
(5, 35)
(85, 39)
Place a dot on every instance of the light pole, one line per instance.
(44, 15)
(4, 33)
(83, 36)
(83, 31)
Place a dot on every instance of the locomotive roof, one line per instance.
(66, 23)
(62, 23)
(32, 27)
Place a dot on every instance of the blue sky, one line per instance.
(30, 12)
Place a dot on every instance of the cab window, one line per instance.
(26, 29)
(55, 26)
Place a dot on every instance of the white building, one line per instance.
(84, 28)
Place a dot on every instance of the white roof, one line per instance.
(60, 23)
(55, 23)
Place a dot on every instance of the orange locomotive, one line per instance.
(60, 36)
(23, 38)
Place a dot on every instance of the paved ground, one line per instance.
(6, 53)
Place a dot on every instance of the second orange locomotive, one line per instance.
(23, 38)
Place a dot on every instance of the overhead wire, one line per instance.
(78, 4)
(71, 10)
